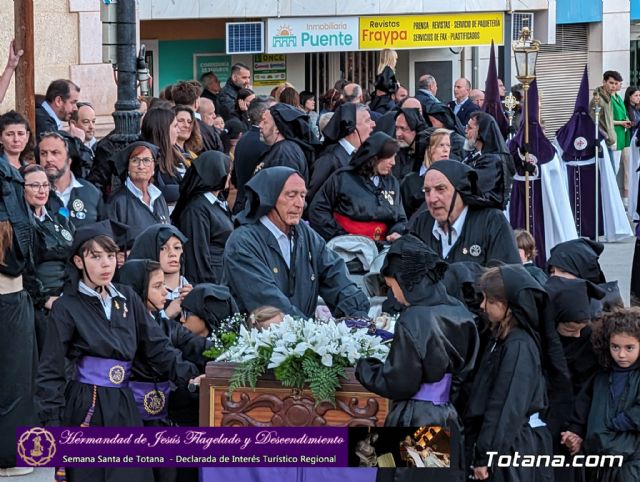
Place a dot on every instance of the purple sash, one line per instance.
(103, 372)
(152, 399)
(436, 393)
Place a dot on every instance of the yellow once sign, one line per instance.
(424, 31)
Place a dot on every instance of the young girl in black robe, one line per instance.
(151, 392)
(100, 327)
(607, 416)
(509, 391)
(434, 346)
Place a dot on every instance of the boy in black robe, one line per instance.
(273, 259)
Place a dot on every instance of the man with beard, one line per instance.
(240, 79)
(413, 139)
(490, 158)
(76, 199)
(349, 127)
(273, 259)
(456, 223)
(60, 102)
(287, 130)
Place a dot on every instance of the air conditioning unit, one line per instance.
(245, 37)
(519, 20)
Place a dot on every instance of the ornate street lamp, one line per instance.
(525, 51)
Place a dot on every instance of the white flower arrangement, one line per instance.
(302, 352)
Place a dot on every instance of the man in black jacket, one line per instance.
(240, 79)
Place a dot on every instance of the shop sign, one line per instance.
(317, 34)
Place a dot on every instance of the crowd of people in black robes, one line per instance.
(116, 267)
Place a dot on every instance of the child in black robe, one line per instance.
(509, 392)
(101, 328)
(434, 347)
(607, 416)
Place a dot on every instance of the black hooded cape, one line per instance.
(257, 274)
(206, 224)
(434, 336)
(355, 196)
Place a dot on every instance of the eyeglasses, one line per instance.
(37, 187)
(137, 161)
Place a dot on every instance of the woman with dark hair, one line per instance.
(329, 101)
(364, 197)
(16, 139)
(632, 104)
(18, 352)
(102, 328)
(204, 217)
(509, 393)
(137, 202)
(53, 238)
(160, 128)
(308, 105)
(290, 96)
(189, 139)
(434, 347)
(241, 112)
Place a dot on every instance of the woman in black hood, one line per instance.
(509, 394)
(203, 216)
(434, 345)
(363, 198)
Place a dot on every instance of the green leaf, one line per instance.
(246, 374)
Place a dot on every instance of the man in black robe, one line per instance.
(288, 132)
(490, 158)
(412, 135)
(456, 223)
(248, 151)
(349, 127)
(273, 259)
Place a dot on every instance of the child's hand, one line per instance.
(572, 441)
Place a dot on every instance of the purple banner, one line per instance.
(182, 447)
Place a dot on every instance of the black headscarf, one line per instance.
(207, 173)
(461, 279)
(148, 244)
(444, 114)
(580, 258)
(414, 118)
(418, 270)
(369, 149)
(121, 158)
(134, 273)
(213, 303)
(341, 124)
(293, 124)
(262, 192)
(490, 135)
(463, 178)
(571, 300)
(387, 123)
(106, 227)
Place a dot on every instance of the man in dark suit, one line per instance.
(60, 102)
(462, 106)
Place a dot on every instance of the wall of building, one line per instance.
(68, 44)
